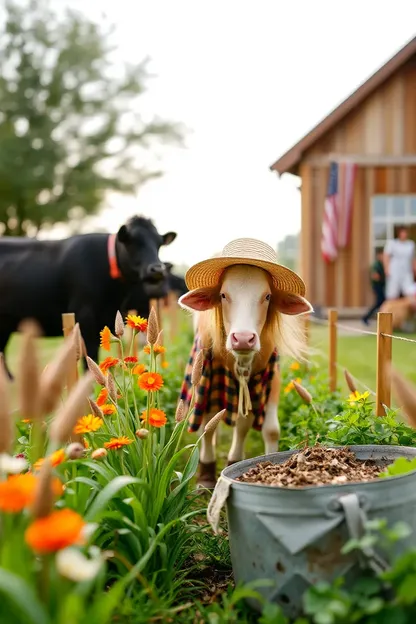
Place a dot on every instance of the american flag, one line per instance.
(336, 225)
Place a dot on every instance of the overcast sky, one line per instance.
(249, 78)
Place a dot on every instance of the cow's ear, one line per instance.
(289, 303)
(168, 238)
(198, 300)
(123, 234)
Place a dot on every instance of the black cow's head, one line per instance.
(138, 243)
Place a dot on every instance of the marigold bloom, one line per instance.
(157, 417)
(131, 359)
(165, 364)
(295, 366)
(157, 348)
(136, 322)
(356, 397)
(52, 533)
(109, 362)
(117, 443)
(150, 381)
(87, 424)
(26, 420)
(102, 397)
(105, 338)
(56, 458)
(18, 491)
(139, 369)
(108, 409)
(290, 386)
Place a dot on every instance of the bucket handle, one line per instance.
(355, 518)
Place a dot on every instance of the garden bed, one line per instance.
(317, 465)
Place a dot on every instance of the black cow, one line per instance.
(43, 279)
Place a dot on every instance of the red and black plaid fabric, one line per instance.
(218, 390)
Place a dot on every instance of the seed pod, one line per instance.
(96, 371)
(303, 393)
(180, 412)
(119, 325)
(350, 382)
(197, 368)
(111, 387)
(214, 422)
(152, 327)
(95, 409)
(77, 338)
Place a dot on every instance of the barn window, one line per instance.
(388, 212)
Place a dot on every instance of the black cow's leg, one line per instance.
(4, 338)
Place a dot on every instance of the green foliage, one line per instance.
(400, 466)
(70, 126)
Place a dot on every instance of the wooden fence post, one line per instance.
(384, 356)
(333, 320)
(68, 324)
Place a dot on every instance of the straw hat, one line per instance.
(249, 251)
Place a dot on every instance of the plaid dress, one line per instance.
(218, 390)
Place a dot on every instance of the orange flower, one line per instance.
(58, 530)
(139, 369)
(102, 397)
(85, 443)
(26, 420)
(56, 458)
(108, 409)
(150, 381)
(117, 443)
(156, 349)
(290, 385)
(131, 359)
(105, 338)
(157, 418)
(165, 364)
(18, 491)
(108, 363)
(87, 424)
(136, 322)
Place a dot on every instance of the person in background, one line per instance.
(378, 284)
(399, 265)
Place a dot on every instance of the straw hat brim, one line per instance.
(207, 274)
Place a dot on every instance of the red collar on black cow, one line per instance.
(112, 257)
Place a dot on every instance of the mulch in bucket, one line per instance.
(316, 465)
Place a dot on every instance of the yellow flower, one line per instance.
(295, 366)
(165, 364)
(356, 397)
(290, 386)
(88, 424)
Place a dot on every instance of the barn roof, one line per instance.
(288, 163)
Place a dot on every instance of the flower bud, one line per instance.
(142, 434)
(99, 453)
(350, 381)
(197, 368)
(152, 327)
(119, 325)
(95, 409)
(96, 371)
(214, 422)
(303, 393)
(180, 412)
(111, 387)
(75, 450)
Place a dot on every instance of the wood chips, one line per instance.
(316, 465)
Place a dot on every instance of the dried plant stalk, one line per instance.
(29, 373)
(96, 371)
(152, 327)
(405, 393)
(214, 422)
(44, 497)
(303, 393)
(54, 376)
(197, 368)
(111, 387)
(65, 420)
(6, 425)
(350, 382)
(95, 409)
(119, 325)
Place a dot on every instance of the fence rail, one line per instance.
(385, 337)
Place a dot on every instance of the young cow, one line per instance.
(244, 301)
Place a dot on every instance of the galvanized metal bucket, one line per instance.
(293, 537)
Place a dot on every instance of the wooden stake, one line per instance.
(68, 324)
(333, 320)
(384, 357)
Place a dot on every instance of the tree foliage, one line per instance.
(70, 127)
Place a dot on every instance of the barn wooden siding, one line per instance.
(384, 126)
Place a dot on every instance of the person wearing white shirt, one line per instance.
(400, 265)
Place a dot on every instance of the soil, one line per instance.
(315, 465)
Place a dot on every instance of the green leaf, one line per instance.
(400, 466)
(104, 497)
(23, 597)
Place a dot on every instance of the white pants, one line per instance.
(399, 284)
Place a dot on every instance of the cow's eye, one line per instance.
(268, 297)
(223, 296)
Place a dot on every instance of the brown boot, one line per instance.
(207, 475)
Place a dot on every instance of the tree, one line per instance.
(70, 129)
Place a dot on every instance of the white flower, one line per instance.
(11, 465)
(75, 566)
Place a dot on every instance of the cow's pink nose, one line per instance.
(243, 341)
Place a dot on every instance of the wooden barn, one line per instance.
(375, 129)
